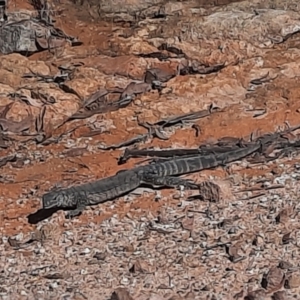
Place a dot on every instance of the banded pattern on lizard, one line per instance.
(157, 175)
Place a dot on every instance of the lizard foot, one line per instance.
(74, 213)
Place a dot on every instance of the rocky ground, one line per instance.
(239, 58)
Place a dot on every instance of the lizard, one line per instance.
(162, 174)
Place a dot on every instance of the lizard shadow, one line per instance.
(41, 215)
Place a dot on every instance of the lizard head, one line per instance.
(53, 199)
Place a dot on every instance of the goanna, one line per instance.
(160, 174)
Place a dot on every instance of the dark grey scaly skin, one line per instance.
(160, 174)
(92, 193)
(156, 175)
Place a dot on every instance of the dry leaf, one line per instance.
(283, 216)
(256, 295)
(273, 280)
(187, 223)
(280, 295)
(293, 281)
(121, 294)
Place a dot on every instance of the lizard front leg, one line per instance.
(80, 206)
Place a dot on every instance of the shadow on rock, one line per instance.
(41, 215)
